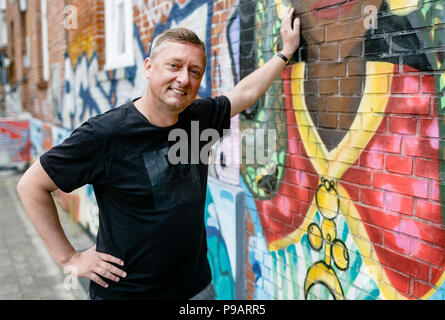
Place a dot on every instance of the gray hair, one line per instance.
(176, 34)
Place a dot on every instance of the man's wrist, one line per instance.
(283, 57)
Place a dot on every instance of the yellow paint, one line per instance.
(322, 273)
(334, 163)
(402, 7)
(81, 43)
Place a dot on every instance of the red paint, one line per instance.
(429, 211)
(403, 238)
(329, 9)
(398, 164)
(372, 197)
(403, 125)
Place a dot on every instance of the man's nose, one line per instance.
(183, 76)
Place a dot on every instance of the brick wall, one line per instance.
(349, 205)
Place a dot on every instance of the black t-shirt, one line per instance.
(151, 213)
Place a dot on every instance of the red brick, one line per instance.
(385, 143)
(405, 84)
(309, 181)
(403, 264)
(429, 211)
(423, 231)
(301, 163)
(409, 105)
(399, 243)
(428, 253)
(427, 168)
(399, 204)
(428, 84)
(379, 218)
(435, 191)
(359, 176)
(403, 282)
(287, 189)
(399, 184)
(372, 197)
(419, 289)
(353, 190)
(376, 233)
(429, 128)
(372, 160)
(402, 125)
(424, 148)
(398, 164)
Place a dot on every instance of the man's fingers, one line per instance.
(289, 16)
(106, 274)
(112, 269)
(296, 24)
(110, 258)
(94, 277)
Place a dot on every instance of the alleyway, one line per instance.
(27, 271)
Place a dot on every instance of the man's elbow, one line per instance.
(22, 186)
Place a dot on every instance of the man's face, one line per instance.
(174, 75)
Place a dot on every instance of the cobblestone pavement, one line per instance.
(27, 271)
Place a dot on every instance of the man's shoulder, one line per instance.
(109, 122)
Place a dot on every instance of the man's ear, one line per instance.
(147, 67)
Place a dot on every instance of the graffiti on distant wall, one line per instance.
(14, 141)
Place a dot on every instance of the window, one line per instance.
(45, 51)
(3, 26)
(118, 34)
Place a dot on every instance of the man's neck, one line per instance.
(154, 115)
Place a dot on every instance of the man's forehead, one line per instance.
(170, 48)
(181, 51)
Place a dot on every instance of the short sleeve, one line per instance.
(216, 111)
(79, 160)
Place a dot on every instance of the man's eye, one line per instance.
(196, 72)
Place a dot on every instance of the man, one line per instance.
(151, 241)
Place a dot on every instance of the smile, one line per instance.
(178, 91)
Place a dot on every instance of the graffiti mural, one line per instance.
(15, 143)
(349, 204)
(225, 227)
(349, 217)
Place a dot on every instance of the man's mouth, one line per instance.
(178, 91)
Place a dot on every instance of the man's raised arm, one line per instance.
(255, 85)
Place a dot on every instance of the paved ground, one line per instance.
(27, 271)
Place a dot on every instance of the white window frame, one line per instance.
(114, 59)
(3, 30)
(45, 49)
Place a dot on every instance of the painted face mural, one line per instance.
(354, 191)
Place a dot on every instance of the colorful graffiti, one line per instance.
(350, 204)
(15, 143)
(225, 227)
(335, 212)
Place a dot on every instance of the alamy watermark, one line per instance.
(71, 17)
(370, 21)
(259, 144)
(71, 281)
